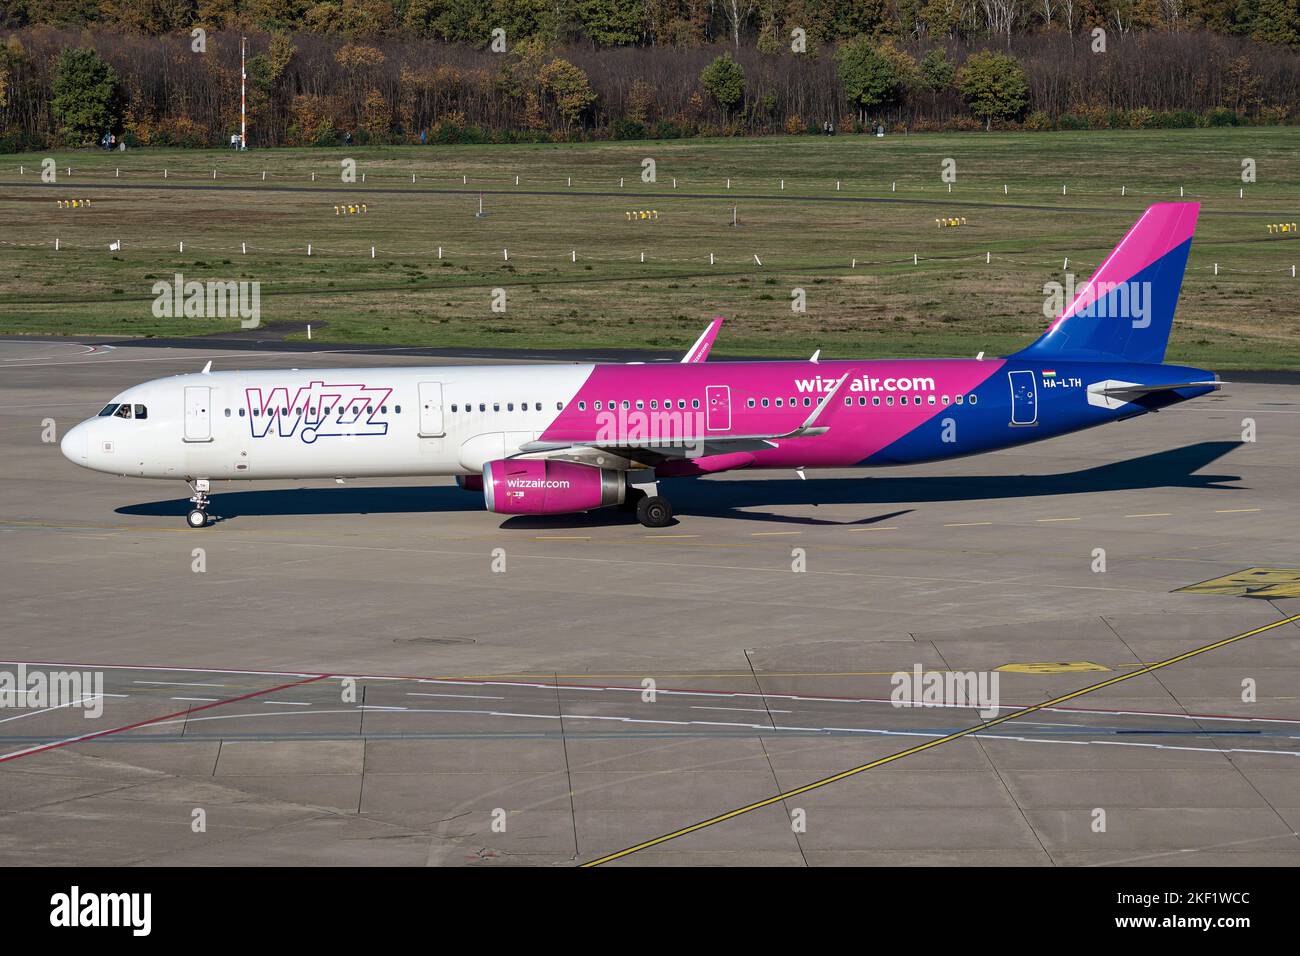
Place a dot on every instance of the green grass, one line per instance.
(951, 303)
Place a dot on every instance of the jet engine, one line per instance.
(526, 486)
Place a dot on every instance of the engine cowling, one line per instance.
(539, 487)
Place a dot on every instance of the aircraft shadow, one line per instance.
(1174, 468)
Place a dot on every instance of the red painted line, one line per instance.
(155, 720)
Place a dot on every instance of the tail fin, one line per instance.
(1126, 309)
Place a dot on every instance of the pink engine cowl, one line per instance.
(539, 487)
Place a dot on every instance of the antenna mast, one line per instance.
(243, 98)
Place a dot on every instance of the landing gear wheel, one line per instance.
(198, 516)
(654, 512)
(634, 497)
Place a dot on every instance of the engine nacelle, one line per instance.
(527, 486)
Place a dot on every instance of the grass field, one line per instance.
(569, 200)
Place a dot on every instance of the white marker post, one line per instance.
(309, 248)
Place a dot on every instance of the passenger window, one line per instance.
(559, 406)
(749, 403)
(582, 406)
(227, 413)
(681, 403)
(765, 403)
(398, 409)
(945, 399)
(626, 404)
(929, 400)
(875, 399)
(848, 400)
(453, 407)
(889, 399)
(654, 404)
(902, 400)
(510, 406)
(807, 402)
(640, 405)
(496, 406)
(960, 399)
(539, 407)
(695, 403)
(482, 406)
(384, 409)
(862, 399)
(973, 399)
(241, 413)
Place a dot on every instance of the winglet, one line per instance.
(207, 368)
(700, 350)
(808, 428)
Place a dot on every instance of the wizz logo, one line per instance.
(318, 410)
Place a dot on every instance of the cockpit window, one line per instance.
(108, 410)
(141, 412)
(123, 411)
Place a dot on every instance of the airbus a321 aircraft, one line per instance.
(553, 439)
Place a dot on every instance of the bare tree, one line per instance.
(737, 13)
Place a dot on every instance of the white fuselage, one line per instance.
(325, 423)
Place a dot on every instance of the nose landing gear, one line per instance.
(198, 516)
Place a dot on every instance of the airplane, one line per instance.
(558, 439)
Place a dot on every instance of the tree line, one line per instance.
(60, 86)
(766, 24)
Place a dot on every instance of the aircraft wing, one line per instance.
(700, 350)
(653, 450)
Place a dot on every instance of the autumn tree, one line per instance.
(994, 85)
(568, 88)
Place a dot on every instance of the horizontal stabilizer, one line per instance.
(1112, 394)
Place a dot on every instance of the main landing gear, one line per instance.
(198, 516)
(652, 509)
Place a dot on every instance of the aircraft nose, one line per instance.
(76, 444)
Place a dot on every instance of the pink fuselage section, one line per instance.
(880, 402)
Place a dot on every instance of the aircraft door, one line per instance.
(431, 423)
(1024, 398)
(717, 400)
(198, 413)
